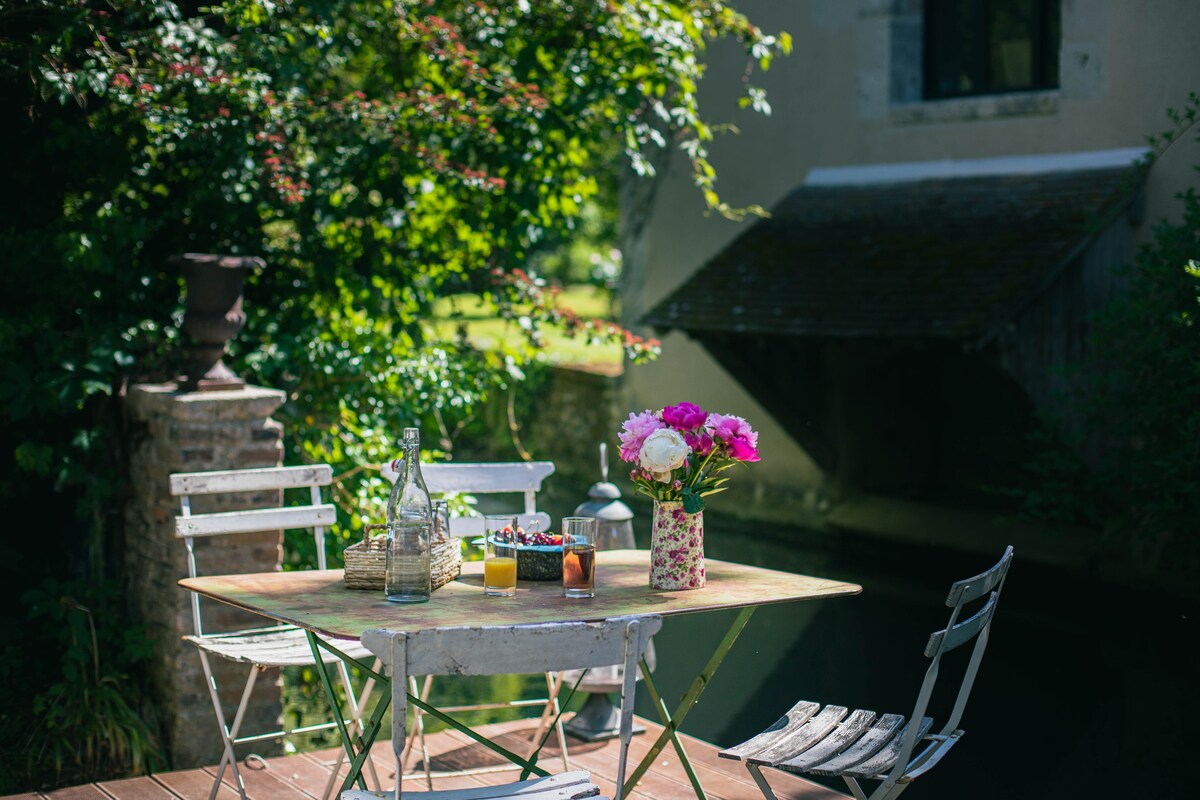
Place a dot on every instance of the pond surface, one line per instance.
(1086, 689)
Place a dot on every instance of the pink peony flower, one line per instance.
(684, 416)
(699, 441)
(736, 435)
(634, 433)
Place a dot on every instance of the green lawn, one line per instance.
(487, 330)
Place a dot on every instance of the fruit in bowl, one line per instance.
(538, 538)
(539, 555)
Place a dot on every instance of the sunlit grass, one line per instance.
(486, 330)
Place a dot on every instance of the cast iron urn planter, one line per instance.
(213, 315)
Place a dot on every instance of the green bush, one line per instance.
(87, 720)
(1122, 453)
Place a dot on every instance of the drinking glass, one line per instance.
(579, 556)
(500, 555)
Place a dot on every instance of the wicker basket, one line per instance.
(365, 560)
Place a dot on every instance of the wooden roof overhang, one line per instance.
(940, 263)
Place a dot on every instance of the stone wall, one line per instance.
(171, 432)
(578, 410)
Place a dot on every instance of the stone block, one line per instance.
(250, 403)
(258, 455)
(210, 434)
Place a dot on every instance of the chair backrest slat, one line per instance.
(962, 632)
(270, 482)
(499, 477)
(971, 589)
(486, 478)
(956, 633)
(250, 480)
(255, 520)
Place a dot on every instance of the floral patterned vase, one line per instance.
(676, 547)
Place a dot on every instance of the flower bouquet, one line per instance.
(680, 453)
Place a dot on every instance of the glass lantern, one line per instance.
(614, 526)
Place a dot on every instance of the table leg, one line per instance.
(359, 751)
(672, 721)
(358, 756)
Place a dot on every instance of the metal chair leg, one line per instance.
(761, 780)
(228, 734)
(551, 714)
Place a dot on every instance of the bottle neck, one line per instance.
(411, 464)
(410, 469)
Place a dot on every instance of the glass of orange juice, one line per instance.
(579, 556)
(500, 555)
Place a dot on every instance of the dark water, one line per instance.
(1086, 689)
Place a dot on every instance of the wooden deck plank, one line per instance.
(261, 784)
(88, 791)
(667, 781)
(192, 784)
(303, 776)
(704, 754)
(142, 788)
(513, 735)
(444, 752)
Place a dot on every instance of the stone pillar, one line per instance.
(173, 431)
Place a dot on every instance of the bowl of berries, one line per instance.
(539, 556)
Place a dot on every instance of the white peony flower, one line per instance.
(663, 451)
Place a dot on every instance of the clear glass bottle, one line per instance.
(409, 526)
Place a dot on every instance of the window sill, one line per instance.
(967, 109)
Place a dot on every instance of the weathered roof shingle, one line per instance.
(945, 258)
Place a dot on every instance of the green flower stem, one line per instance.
(700, 471)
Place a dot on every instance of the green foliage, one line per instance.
(378, 156)
(1123, 456)
(84, 720)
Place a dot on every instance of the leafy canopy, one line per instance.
(377, 155)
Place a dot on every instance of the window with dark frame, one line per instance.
(979, 47)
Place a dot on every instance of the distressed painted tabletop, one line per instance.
(318, 600)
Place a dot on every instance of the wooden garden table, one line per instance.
(319, 602)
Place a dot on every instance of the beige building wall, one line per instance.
(1123, 64)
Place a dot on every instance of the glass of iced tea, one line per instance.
(579, 556)
(500, 555)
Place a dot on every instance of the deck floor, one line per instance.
(303, 776)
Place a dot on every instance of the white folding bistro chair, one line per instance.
(514, 478)
(865, 745)
(275, 646)
(505, 650)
